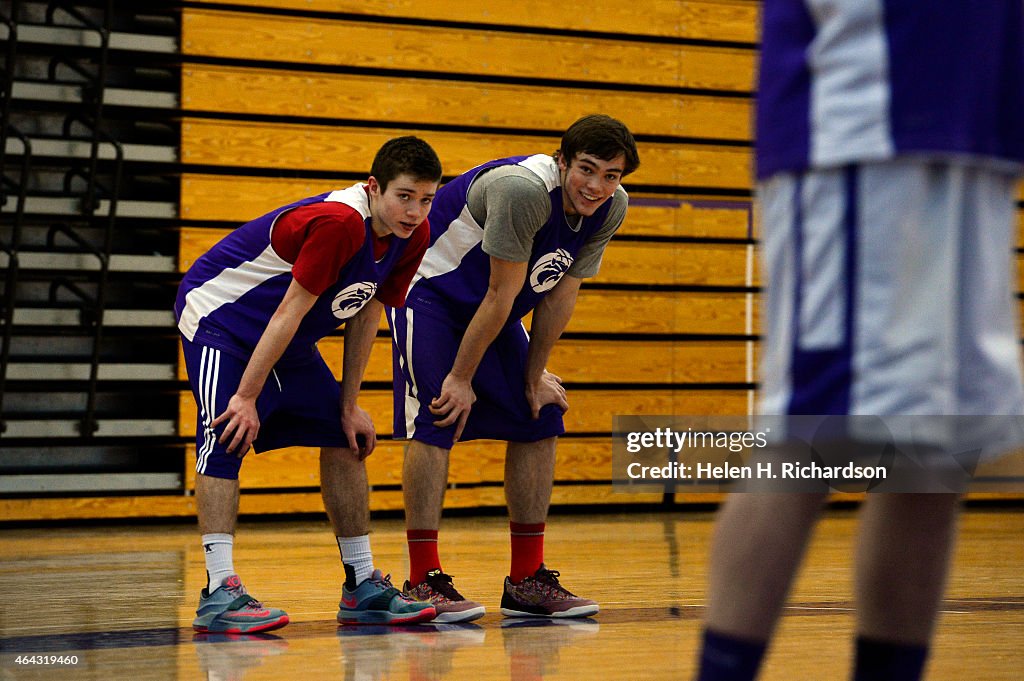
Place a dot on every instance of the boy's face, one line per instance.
(589, 181)
(401, 207)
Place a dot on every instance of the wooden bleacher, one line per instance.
(284, 146)
(281, 99)
(279, 106)
(669, 325)
(725, 20)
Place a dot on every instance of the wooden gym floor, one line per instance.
(121, 599)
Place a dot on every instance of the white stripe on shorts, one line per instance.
(822, 262)
(203, 413)
(412, 403)
(392, 313)
(208, 374)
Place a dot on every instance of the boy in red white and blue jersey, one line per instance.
(250, 312)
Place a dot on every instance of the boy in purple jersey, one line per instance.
(508, 237)
(888, 148)
(250, 312)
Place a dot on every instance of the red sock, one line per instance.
(422, 554)
(527, 550)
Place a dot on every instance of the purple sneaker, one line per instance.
(438, 590)
(542, 596)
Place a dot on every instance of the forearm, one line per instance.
(485, 326)
(272, 344)
(275, 339)
(550, 318)
(360, 332)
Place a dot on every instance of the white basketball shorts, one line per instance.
(891, 291)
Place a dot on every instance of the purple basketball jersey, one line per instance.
(869, 80)
(455, 270)
(229, 294)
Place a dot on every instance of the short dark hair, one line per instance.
(602, 136)
(405, 155)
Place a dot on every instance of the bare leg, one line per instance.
(529, 474)
(345, 490)
(424, 479)
(903, 555)
(758, 545)
(216, 504)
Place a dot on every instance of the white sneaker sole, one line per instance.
(578, 611)
(452, 617)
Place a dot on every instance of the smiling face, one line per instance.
(589, 181)
(402, 206)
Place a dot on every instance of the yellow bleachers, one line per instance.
(475, 51)
(728, 20)
(403, 99)
(266, 145)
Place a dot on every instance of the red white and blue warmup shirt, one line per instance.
(325, 243)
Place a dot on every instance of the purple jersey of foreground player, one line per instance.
(888, 78)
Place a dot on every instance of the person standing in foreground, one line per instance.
(888, 146)
(250, 312)
(508, 237)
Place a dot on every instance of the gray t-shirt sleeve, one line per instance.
(511, 204)
(588, 260)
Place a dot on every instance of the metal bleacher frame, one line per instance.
(59, 281)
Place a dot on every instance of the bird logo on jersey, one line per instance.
(549, 269)
(351, 299)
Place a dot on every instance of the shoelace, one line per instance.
(548, 576)
(442, 584)
(548, 580)
(390, 589)
(384, 580)
(238, 592)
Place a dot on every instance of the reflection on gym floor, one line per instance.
(120, 601)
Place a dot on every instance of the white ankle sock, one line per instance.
(219, 564)
(355, 551)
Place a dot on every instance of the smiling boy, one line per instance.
(250, 312)
(508, 237)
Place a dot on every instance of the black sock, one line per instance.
(727, 658)
(885, 661)
(350, 576)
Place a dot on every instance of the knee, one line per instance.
(340, 455)
(543, 447)
(424, 450)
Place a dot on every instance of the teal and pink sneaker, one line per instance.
(231, 610)
(376, 601)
